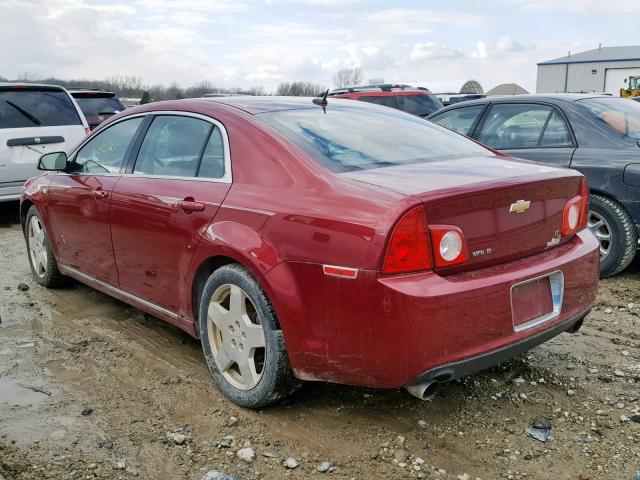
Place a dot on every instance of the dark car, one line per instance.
(97, 105)
(349, 243)
(418, 101)
(451, 98)
(597, 135)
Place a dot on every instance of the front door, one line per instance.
(162, 208)
(79, 202)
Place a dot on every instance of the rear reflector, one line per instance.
(342, 272)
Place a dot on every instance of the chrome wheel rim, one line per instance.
(37, 249)
(602, 231)
(236, 337)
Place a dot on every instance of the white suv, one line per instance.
(34, 119)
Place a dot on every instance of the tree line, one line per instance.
(133, 87)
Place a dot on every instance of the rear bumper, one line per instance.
(389, 331)
(469, 366)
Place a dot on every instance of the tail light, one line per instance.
(449, 246)
(410, 245)
(576, 211)
(409, 248)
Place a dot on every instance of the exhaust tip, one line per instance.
(424, 391)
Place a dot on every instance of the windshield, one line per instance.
(421, 105)
(94, 106)
(348, 139)
(36, 108)
(620, 114)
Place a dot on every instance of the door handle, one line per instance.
(190, 205)
(100, 194)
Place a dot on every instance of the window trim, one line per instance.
(132, 152)
(472, 128)
(485, 114)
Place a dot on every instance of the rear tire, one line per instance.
(44, 267)
(242, 344)
(615, 230)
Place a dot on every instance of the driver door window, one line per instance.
(106, 152)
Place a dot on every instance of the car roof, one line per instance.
(28, 86)
(532, 97)
(263, 104)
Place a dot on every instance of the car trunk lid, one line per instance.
(506, 209)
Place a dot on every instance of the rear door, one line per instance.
(79, 201)
(162, 206)
(532, 131)
(34, 121)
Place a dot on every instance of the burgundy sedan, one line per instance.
(345, 243)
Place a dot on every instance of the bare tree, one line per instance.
(299, 89)
(348, 76)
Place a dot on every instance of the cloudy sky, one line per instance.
(263, 42)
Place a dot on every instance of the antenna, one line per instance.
(322, 101)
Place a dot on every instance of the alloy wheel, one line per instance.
(37, 247)
(236, 337)
(602, 231)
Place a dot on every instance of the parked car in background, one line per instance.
(409, 256)
(451, 98)
(34, 119)
(97, 105)
(636, 99)
(418, 101)
(597, 135)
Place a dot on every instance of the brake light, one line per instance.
(409, 248)
(449, 246)
(576, 211)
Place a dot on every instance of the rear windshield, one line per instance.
(36, 108)
(350, 139)
(619, 113)
(94, 106)
(421, 105)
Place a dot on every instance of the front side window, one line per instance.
(36, 108)
(460, 119)
(512, 126)
(347, 139)
(618, 113)
(105, 153)
(173, 146)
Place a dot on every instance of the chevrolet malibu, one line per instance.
(340, 242)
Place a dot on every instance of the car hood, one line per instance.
(419, 178)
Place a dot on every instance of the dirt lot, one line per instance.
(91, 388)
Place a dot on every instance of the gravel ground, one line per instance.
(91, 388)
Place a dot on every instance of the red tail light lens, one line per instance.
(449, 246)
(409, 248)
(576, 211)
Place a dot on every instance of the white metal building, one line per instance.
(601, 70)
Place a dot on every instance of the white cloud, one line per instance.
(431, 51)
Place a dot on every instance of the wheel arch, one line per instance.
(24, 209)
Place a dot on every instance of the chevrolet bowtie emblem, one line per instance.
(520, 206)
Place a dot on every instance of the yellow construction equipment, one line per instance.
(633, 87)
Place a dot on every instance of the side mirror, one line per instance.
(53, 162)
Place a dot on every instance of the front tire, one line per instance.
(615, 230)
(242, 345)
(44, 267)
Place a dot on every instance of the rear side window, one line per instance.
(173, 146)
(511, 126)
(460, 119)
(556, 133)
(36, 108)
(386, 101)
(94, 106)
(421, 105)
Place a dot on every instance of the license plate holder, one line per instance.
(536, 300)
